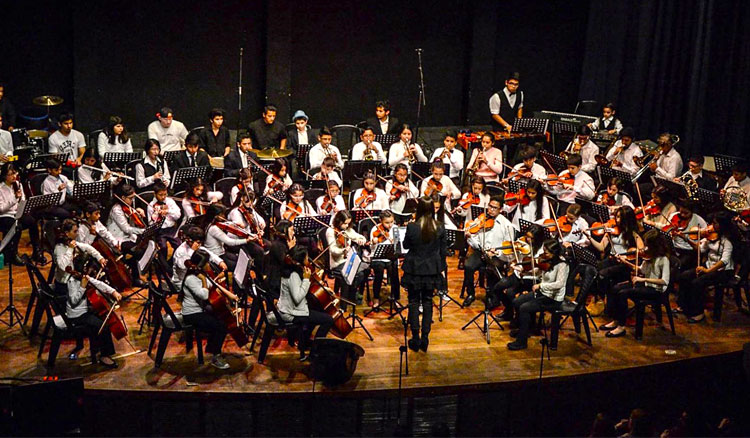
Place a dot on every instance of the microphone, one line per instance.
(418, 50)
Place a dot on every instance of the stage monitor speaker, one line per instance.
(746, 360)
(334, 361)
(53, 408)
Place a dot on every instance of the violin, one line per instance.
(543, 263)
(380, 235)
(482, 223)
(521, 172)
(566, 180)
(562, 224)
(292, 211)
(650, 209)
(396, 192)
(100, 306)
(708, 233)
(512, 199)
(606, 199)
(433, 185)
(364, 199)
(466, 201)
(197, 205)
(229, 227)
(676, 224)
(327, 204)
(514, 247)
(254, 226)
(601, 228)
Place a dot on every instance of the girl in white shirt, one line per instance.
(87, 175)
(114, 138)
(404, 151)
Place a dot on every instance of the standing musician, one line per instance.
(695, 171)
(536, 210)
(487, 231)
(57, 182)
(477, 196)
(11, 192)
(279, 179)
(72, 283)
(368, 149)
(248, 219)
(547, 294)
(238, 157)
(583, 184)
(423, 267)
(669, 163)
(659, 209)
(507, 105)
(583, 146)
(152, 168)
(487, 161)
(383, 122)
(448, 154)
(439, 183)
(370, 197)
(193, 240)
(245, 178)
(295, 283)
(681, 221)
(400, 188)
(649, 281)
(166, 131)
(328, 172)
(331, 202)
(618, 240)
(607, 122)
(194, 293)
(196, 200)
(340, 238)
(324, 149)
(383, 233)
(217, 239)
(164, 206)
(578, 227)
(296, 204)
(614, 197)
(125, 221)
(114, 138)
(622, 154)
(86, 175)
(405, 151)
(528, 167)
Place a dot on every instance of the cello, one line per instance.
(222, 308)
(118, 273)
(101, 307)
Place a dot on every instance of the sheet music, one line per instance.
(240, 271)
(148, 255)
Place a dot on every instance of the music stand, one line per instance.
(452, 237)
(97, 190)
(608, 173)
(422, 169)
(707, 197)
(169, 156)
(149, 232)
(516, 186)
(677, 189)
(198, 221)
(557, 162)
(356, 170)
(524, 226)
(118, 160)
(189, 173)
(597, 210)
(476, 211)
(301, 155)
(563, 132)
(530, 124)
(39, 162)
(583, 255)
(358, 215)
(308, 226)
(386, 140)
(724, 163)
(386, 251)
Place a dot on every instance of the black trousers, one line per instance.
(25, 223)
(506, 290)
(617, 299)
(692, 294)
(474, 263)
(423, 297)
(102, 341)
(207, 322)
(527, 305)
(315, 318)
(688, 259)
(166, 236)
(611, 272)
(378, 268)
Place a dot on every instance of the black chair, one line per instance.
(169, 322)
(224, 186)
(93, 140)
(271, 318)
(657, 303)
(345, 137)
(37, 281)
(576, 308)
(720, 290)
(130, 171)
(35, 183)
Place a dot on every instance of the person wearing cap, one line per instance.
(301, 135)
(582, 144)
(266, 132)
(170, 133)
(623, 152)
(507, 105)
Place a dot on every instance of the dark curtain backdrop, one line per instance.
(676, 66)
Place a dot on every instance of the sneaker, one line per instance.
(219, 362)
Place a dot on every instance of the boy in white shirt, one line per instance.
(67, 140)
(360, 150)
(324, 149)
(170, 133)
(449, 154)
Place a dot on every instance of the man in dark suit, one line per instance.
(383, 122)
(191, 156)
(695, 169)
(238, 157)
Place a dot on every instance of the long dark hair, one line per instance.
(554, 248)
(628, 224)
(298, 255)
(536, 185)
(340, 217)
(90, 153)
(110, 131)
(656, 243)
(537, 237)
(440, 214)
(426, 218)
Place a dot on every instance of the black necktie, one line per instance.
(192, 161)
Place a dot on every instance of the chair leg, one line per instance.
(32, 299)
(556, 317)
(43, 340)
(586, 327)
(162, 347)
(670, 317)
(189, 340)
(257, 333)
(54, 348)
(640, 309)
(267, 334)
(199, 346)
(153, 338)
(718, 301)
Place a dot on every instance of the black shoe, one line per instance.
(467, 302)
(423, 344)
(604, 327)
(414, 344)
(505, 316)
(517, 345)
(514, 333)
(108, 362)
(615, 335)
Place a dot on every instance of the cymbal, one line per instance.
(37, 133)
(273, 153)
(48, 100)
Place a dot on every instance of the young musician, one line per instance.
(217, 239)
(370, 197)
(328, 171)
(528, 167)
(507, 105)
(86, 175)
(548, 293)
(57, 182)
(301, 135)
(152, 168)
(11, 193)
(661, 209)
(295, 282)
(383, 122)
(245, 183)
(324, 149)
(487, 160)
(739, 178)
(280, 176)
(622, 154)
(483, 239)
(193, 240)
(247, 218)
(614, 197)
(400, 188)
(716, 267)
(449, 154)
(169, 133)
(439, 183)
(441, 213)
(538, 208)
(214, 139)
(330, 202)
(194, 294)
(583, 146)
(695, 171)
(424, 265)
(607, 122)
(405, 151)
(238, 157)
(114, 138)
(296, 204)
(681, 221)
(67, 140)
(267, 132)
(583, 184)
(164, 207)
(383, 233)
(669, 163)
(196, 199)
(340, 238)
(192, 156)
(578, 228)
(68, 255)
(650, 281)
(477, 196)
(368, 149)
(125, 221)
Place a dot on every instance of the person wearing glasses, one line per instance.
(507, 105)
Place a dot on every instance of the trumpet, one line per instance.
(445, 154)
(412, 158)
(369, 154)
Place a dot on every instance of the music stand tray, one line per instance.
(583, 255)
(190, 173)
(386, 140)
(358, 215)
(476, 211)
(169, 156)
(707, 197)
(608, 173)
(524, 226)
(197, 221)
(307, 226)
(516, 186)
(38, 202)
(451, 237)
(355, 170)
(677, 189)
(597, 210)
(383, 251)
(118, 160)
(724, 163)
(530, 124)
(39, 162)
(302, 151)
(97, 190)
(557, 162)
(149, 232)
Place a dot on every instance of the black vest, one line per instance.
(507, 112)
(606, 127)
(149, 170)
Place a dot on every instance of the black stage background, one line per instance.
(679, 66)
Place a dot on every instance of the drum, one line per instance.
(20, 137)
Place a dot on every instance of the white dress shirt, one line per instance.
(380, 203)
(217, 240)
(397, 206)
(669, 166)
(63, 257)
(455, 159)
(318, 153)
(119, 225)
(397, 151)
(173, 213)
(85, 175)
(695, 220)
(501, 232)
(626, 157)
(236, 217)
(358, 152)
(538, 171)
(86, 236)
(576, 234)
(140, 175)
(8, 200)
(528, 213)
(617, 126)
(450, 191)
(6, 143)
(583, 187)
(76, 304)
(183, 254)
(51, 184)
(495, 101)
(718, 251)
(338, 205)
(333, 176)
(588, 154)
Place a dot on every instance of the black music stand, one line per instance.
(118, 160)
(678, 190)
(308, 226)
(608, 173)
(257, 173)
(557, 162)
(724, 163)
(386, 251)
(516, 186)
(198, 221)
(401, 218)
(358, 215)
(190, 173)
(596, 210)
(98, 190)
(149, 232)
(452, 237)
(476, 211)
(583, 255)
(530, 124)
(562, 133)
(422, 169)
(386, 140)
(301, 155)
(169, 156)
(524, 225)
(356, 170)
(39, 162)
(707, 197)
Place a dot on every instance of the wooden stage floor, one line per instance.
(456, 358)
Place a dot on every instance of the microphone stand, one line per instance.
(422, 101)
(239, 89)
